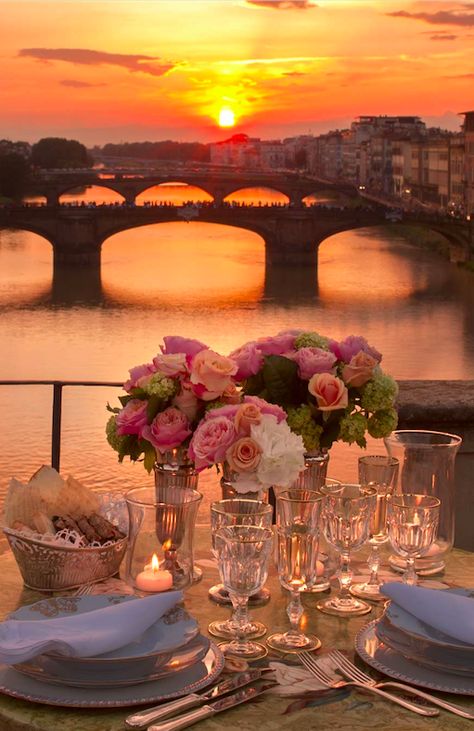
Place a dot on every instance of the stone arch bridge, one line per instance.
(292, 235)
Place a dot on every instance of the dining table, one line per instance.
(346, 709)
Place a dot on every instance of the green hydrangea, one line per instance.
(382, 423)
(300, 420)
(311, 340)
(114, 439)
(214, 405)
(161, 386)
(353, 428)
(379, 394)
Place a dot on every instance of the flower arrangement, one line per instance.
(166, 399)
(254, 442)
(330, 390)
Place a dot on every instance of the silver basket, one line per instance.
(48, 566)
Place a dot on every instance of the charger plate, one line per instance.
(190, 680)
(392, 663)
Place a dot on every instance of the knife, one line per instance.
(143, 718)
(246, 694)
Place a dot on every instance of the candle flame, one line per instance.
(154, 563)
(167, 545)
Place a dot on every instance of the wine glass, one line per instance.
(412, 528)
(347, 514)
(381, 472)
(298, 526)
(325, 557)
(236, 511)
(243, 553)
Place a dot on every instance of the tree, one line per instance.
(57, 152)
(14, 172)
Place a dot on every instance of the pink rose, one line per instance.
(177, 344)
(132, 418)
(266, 408)
(211, 373)
(230, 394)
(276, 345)
(186, 401)
(168, 429)
(249, 360)
(211, 441)
(244, 455)
(170, 364)
(248, 414)
(329, 391)
(313, 360)
(147, 369)
(346, 349)
(360, 369)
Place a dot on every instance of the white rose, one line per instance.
(283, 451)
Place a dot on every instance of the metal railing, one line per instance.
(56, 410)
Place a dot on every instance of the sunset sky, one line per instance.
(116, 70)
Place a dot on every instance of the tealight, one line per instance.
(154, 579)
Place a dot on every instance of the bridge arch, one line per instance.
(257, 195)
(29, 228)
(85, 195)
(193, 193)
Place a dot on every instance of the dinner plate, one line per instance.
(46, 669)
(388, 661)
(172, 631)
(176, 685)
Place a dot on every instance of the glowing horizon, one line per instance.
(135, 70)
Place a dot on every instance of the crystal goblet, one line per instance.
(381, 472)
(347, 514)
(298, 528)
(237, 511)
(243, 553)
(412, 528)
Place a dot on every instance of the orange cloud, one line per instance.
(86, 57)
(442, 17)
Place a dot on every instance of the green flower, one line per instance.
(382, 423)
(300, 420)
(114, 439)
(353, 428)
(311, 340)
(161, 386)
(379, 393)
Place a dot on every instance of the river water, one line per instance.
(208, 282)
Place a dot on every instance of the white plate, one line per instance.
(387, 661)
(173, 686)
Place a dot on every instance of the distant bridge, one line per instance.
(292, 236)
(217, 184)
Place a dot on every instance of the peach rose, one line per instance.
(211, 373)
(247, 415)
(244, 455)
(359, 370)
(230, 394)
(329, 391)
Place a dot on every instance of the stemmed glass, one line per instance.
(412, 528)
(237, 511)
(381, 472)
(298, 529)
(347, 515)
(243, 553)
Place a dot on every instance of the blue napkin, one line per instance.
(447, 612)
(86, 634)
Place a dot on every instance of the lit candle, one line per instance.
(152, 578)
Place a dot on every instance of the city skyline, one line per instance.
(127, 71)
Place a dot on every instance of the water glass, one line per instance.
(299, 514)
(243, 553)
(381, 472)
(236, 511)
(413, 524)
(347, 515)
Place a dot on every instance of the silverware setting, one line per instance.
(351, 671)
(313, 664)
(142, 719)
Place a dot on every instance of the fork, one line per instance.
(314, 667)
(349, 670)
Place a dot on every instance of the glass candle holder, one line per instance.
(161, 531)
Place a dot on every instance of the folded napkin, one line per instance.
(445, 611)
(86, 634)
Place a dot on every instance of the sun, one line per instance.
(226, 117)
